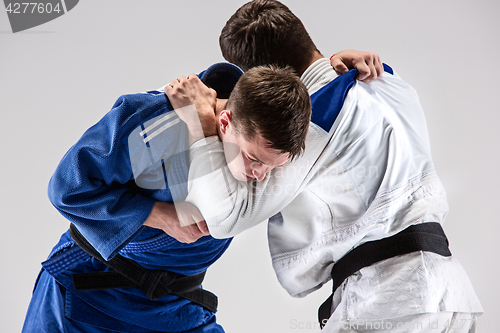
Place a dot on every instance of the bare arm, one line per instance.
(194, 103)
(178, 221)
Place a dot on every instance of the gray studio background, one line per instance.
(58, 79)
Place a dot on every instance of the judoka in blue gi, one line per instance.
(134, 159)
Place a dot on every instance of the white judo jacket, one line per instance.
(368, 177)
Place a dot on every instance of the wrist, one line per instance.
(208, 125)
(209, 131)
(158, 213)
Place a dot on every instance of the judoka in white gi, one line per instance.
(367, 174)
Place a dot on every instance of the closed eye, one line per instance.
(253, 159)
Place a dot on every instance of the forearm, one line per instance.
(189, 115)
(195, 105)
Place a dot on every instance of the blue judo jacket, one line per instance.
(95, 187)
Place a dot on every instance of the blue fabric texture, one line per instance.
(54, 309)
(95, 188)
(328, 101)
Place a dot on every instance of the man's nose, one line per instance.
(260, 172)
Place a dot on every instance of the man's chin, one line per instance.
(248, 178)
(242, 177)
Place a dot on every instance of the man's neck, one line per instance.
(315, 56)
(220, 105)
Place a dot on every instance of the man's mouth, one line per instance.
(248, 178)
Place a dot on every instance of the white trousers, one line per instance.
(440, 322)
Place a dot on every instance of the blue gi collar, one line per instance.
(221, 77)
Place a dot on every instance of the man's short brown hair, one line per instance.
(274, 103)
(265, 32)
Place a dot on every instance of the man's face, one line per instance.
(250, 159)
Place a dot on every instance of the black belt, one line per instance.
(428, 237)
(127, 273)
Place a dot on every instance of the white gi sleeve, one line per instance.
(230, 206)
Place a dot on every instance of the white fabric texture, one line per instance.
(370, 177)
(440, 322)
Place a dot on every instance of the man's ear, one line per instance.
(224, 120)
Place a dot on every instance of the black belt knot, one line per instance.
(154, 283)
(126, 273)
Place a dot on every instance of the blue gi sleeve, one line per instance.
(93, 184)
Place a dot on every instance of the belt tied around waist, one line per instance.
(126, 273)
(428, 237)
